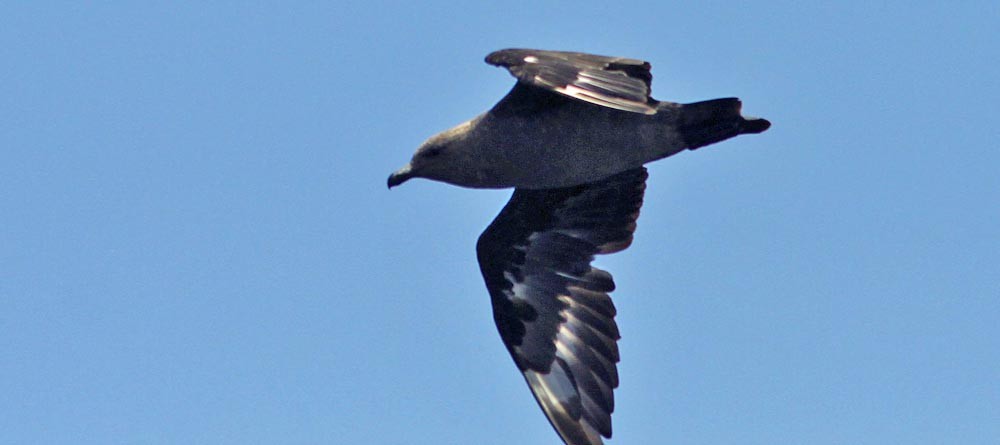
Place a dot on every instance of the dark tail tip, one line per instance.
(754, 125)
(711, 121)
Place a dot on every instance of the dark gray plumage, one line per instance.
(571, 137)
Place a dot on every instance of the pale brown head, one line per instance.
(443, 157)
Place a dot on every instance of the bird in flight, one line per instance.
(571, 138)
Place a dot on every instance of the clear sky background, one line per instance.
(197, 245)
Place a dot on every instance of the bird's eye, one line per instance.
(432, 152)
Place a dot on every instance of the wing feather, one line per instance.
(551, 306)
(613, 82)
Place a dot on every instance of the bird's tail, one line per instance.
(711, 121)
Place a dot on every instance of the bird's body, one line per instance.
(571, 137)
(529, 115)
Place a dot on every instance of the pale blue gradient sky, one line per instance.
(196, 243)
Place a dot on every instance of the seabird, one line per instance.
(571, 138)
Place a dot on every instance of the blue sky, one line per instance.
(196, 243)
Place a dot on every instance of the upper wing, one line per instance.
(551, 307)
(613, 82)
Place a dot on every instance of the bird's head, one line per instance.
(440, 158)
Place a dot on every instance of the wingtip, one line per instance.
(492, 58)
(502, 57)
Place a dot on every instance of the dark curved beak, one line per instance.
(400, 176)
